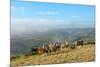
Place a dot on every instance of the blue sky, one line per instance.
(39, 15)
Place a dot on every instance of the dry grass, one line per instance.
(65, 55)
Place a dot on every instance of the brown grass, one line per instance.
(65, 55)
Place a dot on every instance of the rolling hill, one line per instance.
(20, 44)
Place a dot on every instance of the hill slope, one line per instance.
(21, 44)
(65, 55)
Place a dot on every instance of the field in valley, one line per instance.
(64, 55)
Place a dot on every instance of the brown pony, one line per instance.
(40, 50)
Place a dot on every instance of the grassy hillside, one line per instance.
(21, 44)
(65, 55)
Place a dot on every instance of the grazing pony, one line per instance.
(64, 44)
(79, 43)
(40, 50)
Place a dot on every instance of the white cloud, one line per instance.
(38, 25)
(13, 8)
(47, 12)
(18, 8)
(38, 21)
(22, 8)
(75, 16)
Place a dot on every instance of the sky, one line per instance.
(40, 16)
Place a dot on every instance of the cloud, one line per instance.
(75, 16)
(47, 13)
(38, 21)
(13, 8)
(22, 8)
(18, 8)
(37, 25)
(42, 25)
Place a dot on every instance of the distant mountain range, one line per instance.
(21, 44)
